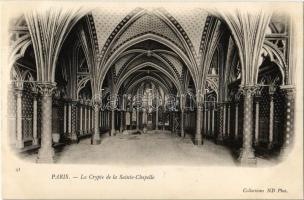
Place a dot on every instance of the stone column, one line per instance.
(96, 136)
(163, 118)
(182, 123)
(80, 118)
(220, 134)
(271, 117)
(156, 116)
(257, 114)
(73, 122)
(173, 122)
(64, 118)
(198, 140)
(85, 118)
(100, 118)
(205, 118)
(247, 156)
(236, 129)
(228, 119)
(213, 120)
(19, 138)
(137, 119)
(35, 114)
(113, 122)
(69, 119)
(89, 118)
(224, 120)
(208, 120)
(130, 120)
(109, 120)
(46, 151)
(121, 121)
(289, 92)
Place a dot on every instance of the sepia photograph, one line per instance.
(164, 100)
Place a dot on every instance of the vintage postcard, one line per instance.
(151, 100)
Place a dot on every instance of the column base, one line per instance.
(270, 146)
(247, 157)
(112, 132)
(284, 153)
(81, 132)
(182, 134)
(74, 138)
(96, 141)
(198, 142)
(219, 139)
(35, 141)
(19, 144)
(45, 155)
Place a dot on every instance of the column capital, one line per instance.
(87, 102)
(249, 90)
(35, 90)
(96, 106)
(97, 98)
(81, 101)
(46, 88)
(74, 102)
(18, 85)
(289, 90)
(271, 90)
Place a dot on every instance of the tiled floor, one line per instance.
(147, 149)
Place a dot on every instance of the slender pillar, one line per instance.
(35, 135)
(182, 124)
(173, 122)
(213, 120)
(85, 119)
(198, 140)
(220, 134)
(164, 120)
(257, 116)
(100, 118)
(73, 123)
(247, 156)
(109, 120)
(198, 135)
(208, 120)
(156, 117)
(46, 151)
(271, 120)
(89, 118)
(121, 121)
(137, 119)
(19, 141)
(96, 135)
(228, 119)
(205, 118)
(224, 120)
(289, 93)
(236, 129)
(64, 118)
(80, 119)
(113, 123)
(69, 118)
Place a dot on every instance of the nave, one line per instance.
(161, 148)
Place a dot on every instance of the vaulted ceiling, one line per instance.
(119, 48)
